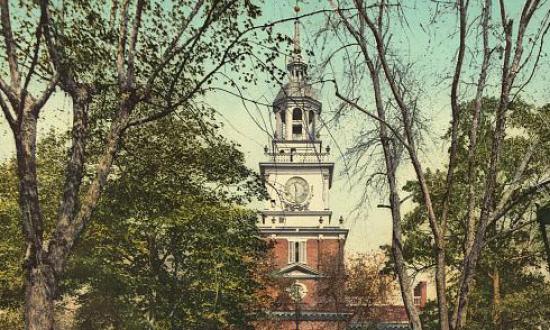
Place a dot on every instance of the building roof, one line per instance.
(298, 271)
(296, 90)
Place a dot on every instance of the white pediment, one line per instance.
(298, 270)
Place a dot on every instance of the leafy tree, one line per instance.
(357, 286)
(170, 245)
(496, 50)
(509, 290)
(152, 57)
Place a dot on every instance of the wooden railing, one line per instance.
(298, 157)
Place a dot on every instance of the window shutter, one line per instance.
(303, 256)
(290, 252)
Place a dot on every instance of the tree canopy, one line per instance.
(510, 291)
(170, 246)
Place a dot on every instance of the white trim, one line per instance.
(302, 251)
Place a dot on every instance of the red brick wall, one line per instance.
(330, 251)
(317, 250)
(280, 252)
(312, 247)
(320, 254)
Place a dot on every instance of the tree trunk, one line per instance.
(39, 276)
(39, 296)
(390, 158)
(441, 286)
(496, 316)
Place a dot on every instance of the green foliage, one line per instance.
(170, 246)
(509, 291)
(88, 32)
(11, 251)
(191, 269)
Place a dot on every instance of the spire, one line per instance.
(296, 67)
(297, 53)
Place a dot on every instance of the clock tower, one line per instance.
(297, 218)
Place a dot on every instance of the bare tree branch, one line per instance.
(10, 93)
(455, 113)
(121, 49)
(390, 155)
(11, 47)
(509, 73)
(472, 147)
(50, 88)
(133, 41)
(8, 115)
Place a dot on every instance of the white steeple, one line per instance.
(296, 107)
(299, 171)
(297, 68)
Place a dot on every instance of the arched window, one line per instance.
(282, 132)
(297, 114)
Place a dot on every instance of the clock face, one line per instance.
(296, 190)
(297, 292)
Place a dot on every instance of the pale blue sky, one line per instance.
(423, 42)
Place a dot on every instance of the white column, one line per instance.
(305, 127)
(325, 191)
(303, 252)
(314, 125)
(278, 125)
(288, 119)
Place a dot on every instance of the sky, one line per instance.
(431, 50)
(369, 226)
(428, 44)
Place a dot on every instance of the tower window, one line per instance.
(297, 114)
(296, 131)
(282, 133)
(297, 252)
